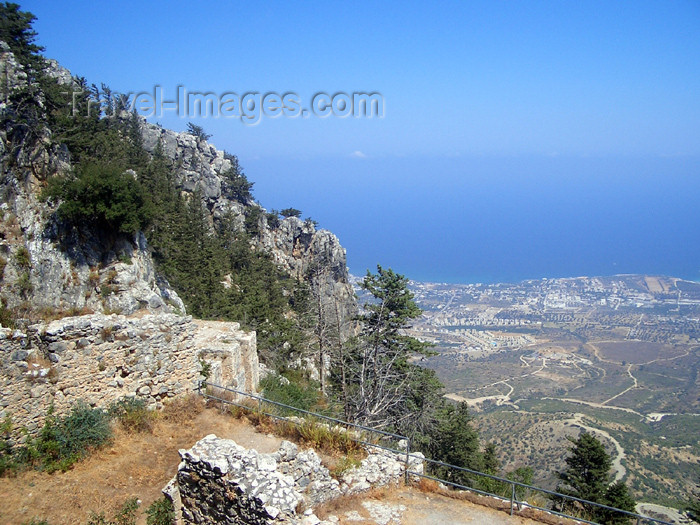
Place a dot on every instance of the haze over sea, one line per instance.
(520, 139)
(489, 219)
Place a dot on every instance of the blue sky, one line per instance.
(519, 139)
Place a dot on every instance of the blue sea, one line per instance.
(486, 219)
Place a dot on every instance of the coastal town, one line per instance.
(493, 317)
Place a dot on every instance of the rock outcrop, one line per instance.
(44, 266)
(295, 245)
(102, 358)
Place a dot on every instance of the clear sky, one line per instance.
(519, 139)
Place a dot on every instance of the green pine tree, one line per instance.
(588, 477)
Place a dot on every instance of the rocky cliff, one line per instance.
(295, 245)
(59, 270)
(44, 267)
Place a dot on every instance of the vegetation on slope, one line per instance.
(116, 188)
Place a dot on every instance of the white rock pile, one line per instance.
(218, 481)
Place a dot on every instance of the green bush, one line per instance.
(7, 316)
(63, 441)
(60, 443)
(292, 388)
(8, 461)
(126, 515)
(133, 414)
(22, 258)
(24, 284)
(160, 512)
(102, 195)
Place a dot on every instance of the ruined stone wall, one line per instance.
(218, 481)
(102, 358)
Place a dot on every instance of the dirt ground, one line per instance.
(141, 464)
(410, 506)
(135, 465)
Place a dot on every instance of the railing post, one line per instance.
(512, 497)
(408, 459)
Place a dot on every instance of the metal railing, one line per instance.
(359, 433)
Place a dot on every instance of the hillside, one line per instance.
(141, 464)
(539, 361)
(103, 212)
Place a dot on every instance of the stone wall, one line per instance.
(102, 358)
(218, 481)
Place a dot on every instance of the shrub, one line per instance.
(24, 284)
(346, 462)
(102, 195)
(290, 212)
(273, 219)
(8, 459)
(292, 388)
(126, 515)
(22, 258)
(184, 408)
(63, 441)
(132, 414)
(197, 131)
(160, 512)
(7, 317)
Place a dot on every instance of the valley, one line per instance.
(541, 360)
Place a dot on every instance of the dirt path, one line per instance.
(635, 384)
(501, 399)
(409, 506)
(620, 470)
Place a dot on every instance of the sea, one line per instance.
(497, 219)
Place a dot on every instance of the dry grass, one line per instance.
(184, 408)
(309, 433)
(52, 314)
(427, 485)
(134, 465)
(352, 502)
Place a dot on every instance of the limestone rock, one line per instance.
(219, 481)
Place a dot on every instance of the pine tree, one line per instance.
(588, 477)
(378, 379)
(454, 441)
(16, 31)
(617, 495)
